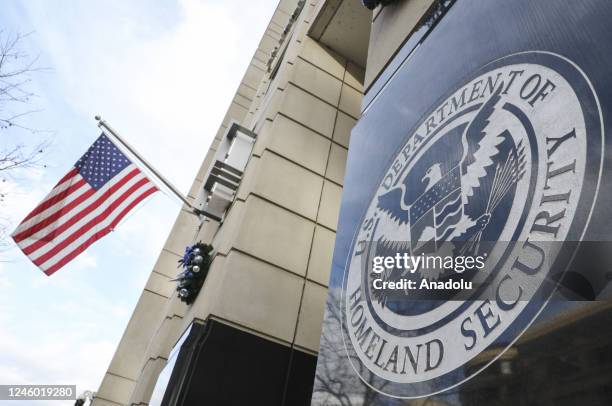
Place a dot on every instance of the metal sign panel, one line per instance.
(488, 141)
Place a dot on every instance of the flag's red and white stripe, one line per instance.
(74, 215)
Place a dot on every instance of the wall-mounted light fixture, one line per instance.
(225, 173)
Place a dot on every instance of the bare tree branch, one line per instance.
(17, 69)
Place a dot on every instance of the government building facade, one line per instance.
(365, 129)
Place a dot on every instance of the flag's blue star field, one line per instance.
(102, 161)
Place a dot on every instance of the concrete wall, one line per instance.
(155, 312)
(274, 248)
(391, 26)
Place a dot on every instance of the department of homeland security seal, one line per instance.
(512, 155)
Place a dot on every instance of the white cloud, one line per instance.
(5, 283)
(85, 260)
(59, 358)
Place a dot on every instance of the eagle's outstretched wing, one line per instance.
(475, 132)
(479, 147)
(390, 203)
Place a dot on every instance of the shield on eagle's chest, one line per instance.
(436, 213)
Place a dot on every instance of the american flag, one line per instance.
(84, 206)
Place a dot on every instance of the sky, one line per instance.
(163, 75)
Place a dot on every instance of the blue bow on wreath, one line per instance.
(195, 263)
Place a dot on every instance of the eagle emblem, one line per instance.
(446, 206)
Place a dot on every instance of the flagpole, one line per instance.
(105, 126)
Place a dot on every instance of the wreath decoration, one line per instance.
(195, 263)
